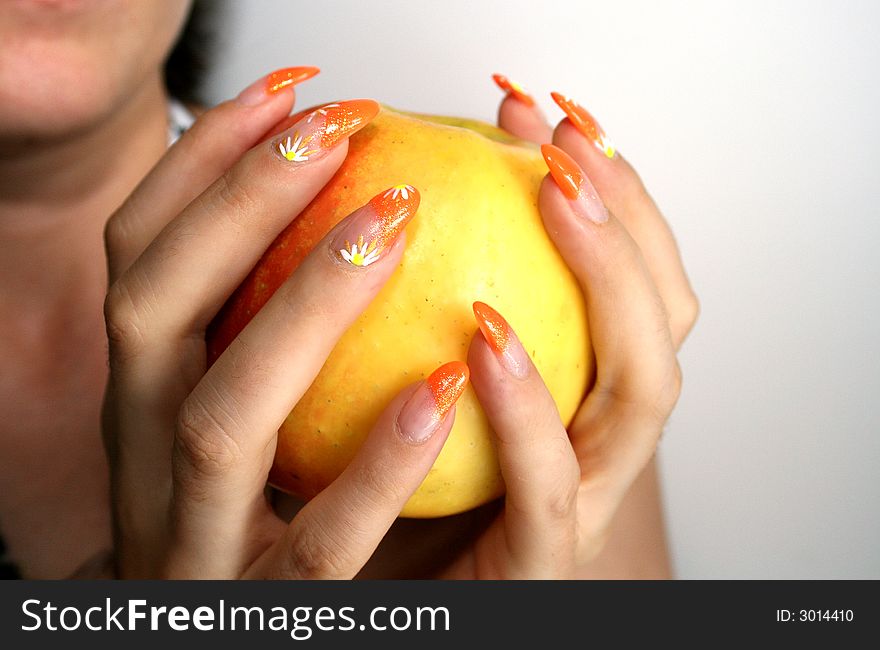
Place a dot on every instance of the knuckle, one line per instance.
(692, 310)
(687, 312)
(237, 202)
(123, 230)
(203, 442)
(115, 233)
(562, 500)
(312, 557)
(125, 328)
(549, 490)
(650, 395)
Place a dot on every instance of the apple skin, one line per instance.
(477, 235)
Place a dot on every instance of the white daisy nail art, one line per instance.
(295, 149)
(308, 138)
(399, 190)
(376, 226)
(514, 88)
(604, 144)
(585, 123)
(359, 253)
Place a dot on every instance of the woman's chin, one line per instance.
(65, 65)
(54, 95)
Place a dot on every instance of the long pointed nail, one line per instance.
(502, 339)
(318, 131)
(274, 82)
(429, 405)
(370, 231)
(574, 184)
(514, 89)
(585, 123)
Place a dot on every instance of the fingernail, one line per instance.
(515, 89)
(371, 230)
(324, 127)
(574, 184)
(502, 339)
(429, 405)
(264, 88)
(585, 123)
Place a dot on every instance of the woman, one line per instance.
(83, 120)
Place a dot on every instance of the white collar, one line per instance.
(180, 118)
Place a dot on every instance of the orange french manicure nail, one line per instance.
(324, 127)
(262, 89)
(565, 170)
(371, 230)
(447, 383)
(424, 412)
(344, 118)
(574, 183)
(585, 123)
(515, 89)
(501, 338)
(285, 77)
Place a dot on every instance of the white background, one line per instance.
(755, 125)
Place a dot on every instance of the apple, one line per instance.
(477, 235)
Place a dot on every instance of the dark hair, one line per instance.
(185, 67)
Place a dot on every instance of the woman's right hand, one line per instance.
(190, 447)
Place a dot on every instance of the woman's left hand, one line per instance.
(565, 485)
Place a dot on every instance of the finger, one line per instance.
(335, 534)
(178, 284)
(215, 141)
(637, 375)
(227, 426)
(537, 461)
(623, 193)
(519, 115)
(628, 327)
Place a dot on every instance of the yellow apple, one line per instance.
(477, 235)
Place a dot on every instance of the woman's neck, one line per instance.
(55, 197)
